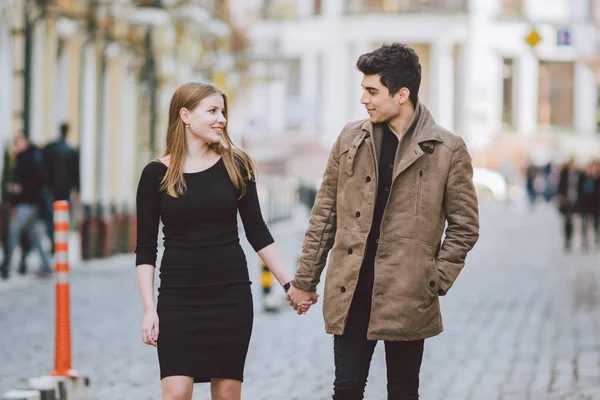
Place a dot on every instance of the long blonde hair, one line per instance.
(240, 166)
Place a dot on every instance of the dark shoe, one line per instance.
(22, 268)
(4, 272)
(44, 273)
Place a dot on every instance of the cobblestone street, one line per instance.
(522, 322)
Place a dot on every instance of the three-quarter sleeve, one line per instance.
(255, 227)
(148, 214)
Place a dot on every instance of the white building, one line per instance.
(6, 72)
(481, 78)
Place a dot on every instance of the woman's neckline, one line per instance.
(197, 172)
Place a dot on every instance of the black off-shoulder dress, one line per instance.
(205, 302)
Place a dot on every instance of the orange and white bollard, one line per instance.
(62, 351)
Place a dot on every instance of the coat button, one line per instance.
(376, 240)
(432, 283)
(357, 214)
(387, 189)
(350, 250)
(368, 179)
(343, 289)
(391, 165)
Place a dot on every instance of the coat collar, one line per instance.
(426, 129)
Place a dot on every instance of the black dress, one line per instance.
(204, 303)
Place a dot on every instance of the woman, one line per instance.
(204, 304)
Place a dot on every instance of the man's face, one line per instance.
(20, 143)
(377, 100)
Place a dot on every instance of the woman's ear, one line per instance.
(184, 114)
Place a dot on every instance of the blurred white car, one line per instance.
(490, 184)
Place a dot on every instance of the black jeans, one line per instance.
(353, 353)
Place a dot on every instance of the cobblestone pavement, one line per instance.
(522, 322)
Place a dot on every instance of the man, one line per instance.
(391, 184)
(62, 163)
(29, 176)
(567, 196)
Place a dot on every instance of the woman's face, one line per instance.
(207, 120)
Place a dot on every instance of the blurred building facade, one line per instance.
(108, 68)
(508, 70)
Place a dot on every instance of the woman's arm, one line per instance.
(272, 258)
(148, 217)
(145, 277)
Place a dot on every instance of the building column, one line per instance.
(337, 68)
(88, 127)
(49, 127)
(527, 93)
(115, 135)
(309, 90)
(127, 168)
(461, 90)
(585, 100)
(74, 91)
(61, 94)
(354, 81)
(109, 94)
(37, 75)
(333, 8)
(6, 83)
(442, 84)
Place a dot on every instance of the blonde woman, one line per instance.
(203, 319)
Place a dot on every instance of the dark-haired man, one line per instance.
(391, 184)
(62, 163)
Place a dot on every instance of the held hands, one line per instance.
(301, 300)
(150, 328)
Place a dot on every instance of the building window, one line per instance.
(508, 80)
(373, 5)
(556, 84)
(512, 7)
(317, 7)
(595, 10)
(405, 6)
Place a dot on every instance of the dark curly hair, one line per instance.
(397, 65)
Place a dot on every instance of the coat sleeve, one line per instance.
(320, 235)
(462, 214)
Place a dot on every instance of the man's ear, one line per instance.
(403, 95)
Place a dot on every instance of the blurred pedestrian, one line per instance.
(204, 312)
(567, 199)
(552, 179)
(8, 204)
(530, 178)
(391, 184)
(62, 163)
(28, 189)
(589, 202)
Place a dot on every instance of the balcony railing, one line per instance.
(405, 6)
